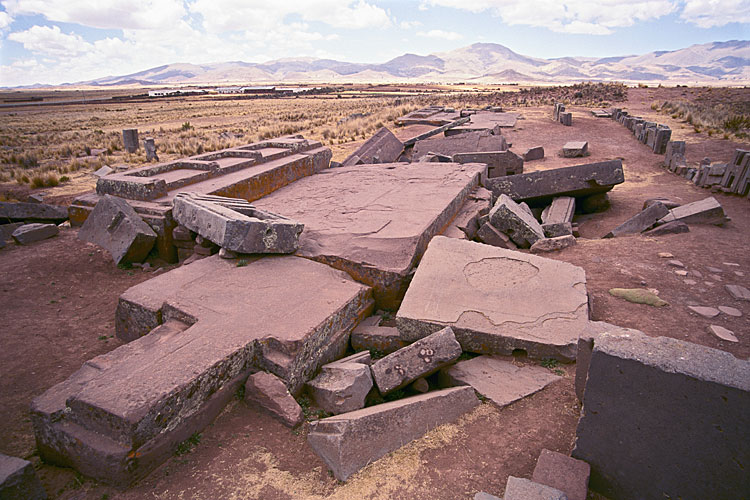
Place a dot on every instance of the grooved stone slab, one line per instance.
(496, 300)
(420, 359)
(18, 480)
(236, 225)
(539, 188)
(641, 221)
(374, 221)
(664, 418)
(211, 323)
(382, 147)
(348, 442)
(30, 233)
(114, 225)
(498, 380)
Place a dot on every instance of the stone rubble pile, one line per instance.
(728, 178)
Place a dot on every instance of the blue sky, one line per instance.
(55, 41)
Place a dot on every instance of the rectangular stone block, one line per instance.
(382, 147)
(499, 163)
(490, 235)
(566, 118)
(661, 139)
(664, 418)
(486, 119)
(536, 153)
(510, 218)
(522, 489)
(114, 225)
(641, 221)
(130, 139)
(30, 233)
(348, 442)
(32, 212)
(382, 339)
(194, 334)
(482, 293)
(575, 149)
(557, 218)
(236, 225)
(558, 107)
(705, 211)
(420, 359)
(673, 148)
(374, 221)
(564, 473)
(539, 188)
(469, 142)
(18, 480)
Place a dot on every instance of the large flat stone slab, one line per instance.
(462, 143)
(32, 212)
(539, 188)
(500, 381)
(374, 221)
(195, 334)
(640, 221)
(348, 442)
(664, 418)
(488, 120)
(496, 300)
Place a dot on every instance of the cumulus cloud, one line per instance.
(440, 34)
(50, 41)
(5, 20)
(711, 13)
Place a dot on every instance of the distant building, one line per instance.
(175, 92)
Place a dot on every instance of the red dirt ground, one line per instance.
(57, 310)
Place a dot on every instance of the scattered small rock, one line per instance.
(638, 296)
(731, 311)
(681, 272)
(690, 282)
(697, 274)
(706, 312)
(675, 263)
(715, 277)
(553, 244)
(733, 264)
(739, 292)
(665, 255)
(739, 273)
(714, 269)
(723, 333)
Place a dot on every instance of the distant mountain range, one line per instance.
(717, 62)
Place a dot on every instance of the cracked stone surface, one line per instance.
(496, 300)
(374, 221)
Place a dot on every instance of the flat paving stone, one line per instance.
(723, 333)
(706, 312)
(500, 381)
(375, 221)
(739, 292)
(496, 300)
(731, 311)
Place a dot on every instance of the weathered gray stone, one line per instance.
(739, 292)
(420, 359)
(18, 480)
(575, 149)
(706, 312)
(114, 225)
(465, 225)
(564, 473)
(269, 392)
(383, 146)
(348, 442)
(499, 163)
(553, 244)
(482, 293)
(6, 230)
(32, 212)
(485, 496)
(664, 201)
(436, 131)
(341, 387)
(30, 233)
(705, 211)
(130, 139)
(557, 218)
(523, 489)
(498, 380)
(490, 235)
(462, 143)
(674, 227)
(539, 188)
(105, 170)
(661, 139)
(194, 335)
(566, 118)
(723, 333)
(731, 311)
(236, 225)
(535, 153)
(381, 339)
(558, 107)
(510, 218)
(640, 222)
(150, 147)
(683, 437)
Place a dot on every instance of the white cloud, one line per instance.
(109, 14)
(711, 13)
(407, 25)
(51, 41)
(5, 20)
(440, 34)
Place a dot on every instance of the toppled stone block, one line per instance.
(575, 149)
(640, 222)
(466, 225)
(105, 170)
(564, 473)
(706, 211)
(420, 359)
(269, 392)
(498, 380)
(522, 489)
(30, 233)
(664, 201)
(557, 218)
(32, 212)
(382, 339)
(18, 480)
(490, 235)
(688, 429)
(482, 293)
(386, 427)
(499, 163)
(510, 218)
(114, 225)
(535, 153)
(130, 140)
(341, 387)
(6, 230)
(236, 225)
(382, 147)
(553, 244)
(674, 227)
(539, 188)
(566, 118)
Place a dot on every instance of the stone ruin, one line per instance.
(653, 135)
(307, 253)
(728, 178)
